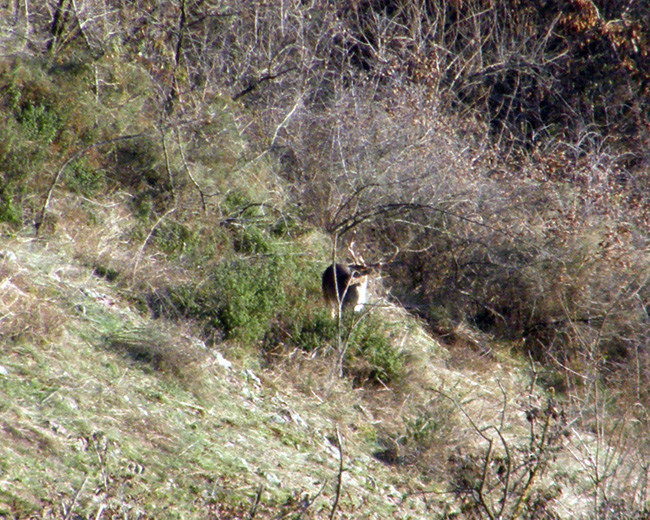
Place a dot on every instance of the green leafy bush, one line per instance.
(239, 300)
(249, 295)
(42, 115)
(313, 330)
(252, 239)
(85, 180)
(39, 123)
(174, 237)
(9, 212)
(371, 355)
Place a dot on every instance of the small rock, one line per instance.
(8, 256)
(248, 374)
(222, 361)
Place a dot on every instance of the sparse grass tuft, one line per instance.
(150, 347)
(26, 317)
(425, 439)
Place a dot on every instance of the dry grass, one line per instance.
(179, 356)
(146, 408)
(25, 314)
(157, 415)
(529, 264)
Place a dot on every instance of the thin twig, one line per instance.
(267, 77)
(256, 502)
(174, 90)
(80, 25)
(100, 511)
(339, 478)
(144, 244)
(338, 367)
(538, 466)
(508, 474)
(484, 477)
(189, 172)
(68, 515)
(308, 502)
(168, 167)
(284, 121)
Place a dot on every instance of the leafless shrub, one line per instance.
(604, 444)
(535, 69)
(504, 481)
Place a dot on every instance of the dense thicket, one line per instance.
(536, 70)
(500, 147)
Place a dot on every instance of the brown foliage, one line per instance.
(537, 70)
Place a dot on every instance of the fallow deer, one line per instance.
(346, 286)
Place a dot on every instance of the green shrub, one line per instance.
(85, 180)
(8, 211)
(42, 115)
(173, 237)
(39, 123)
(240, 300)
(423, 429)
(252, 239)
(249, 294)
(314, 330)
(371, 356)
(238, 204)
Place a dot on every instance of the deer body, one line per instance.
(346, 286)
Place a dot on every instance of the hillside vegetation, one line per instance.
(175, 175)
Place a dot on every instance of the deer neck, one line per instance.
(362, 292)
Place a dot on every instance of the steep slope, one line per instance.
(108, 413)
(97, 421)
(175, 177)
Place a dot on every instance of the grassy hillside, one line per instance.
(174, 178)
(108, 413)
